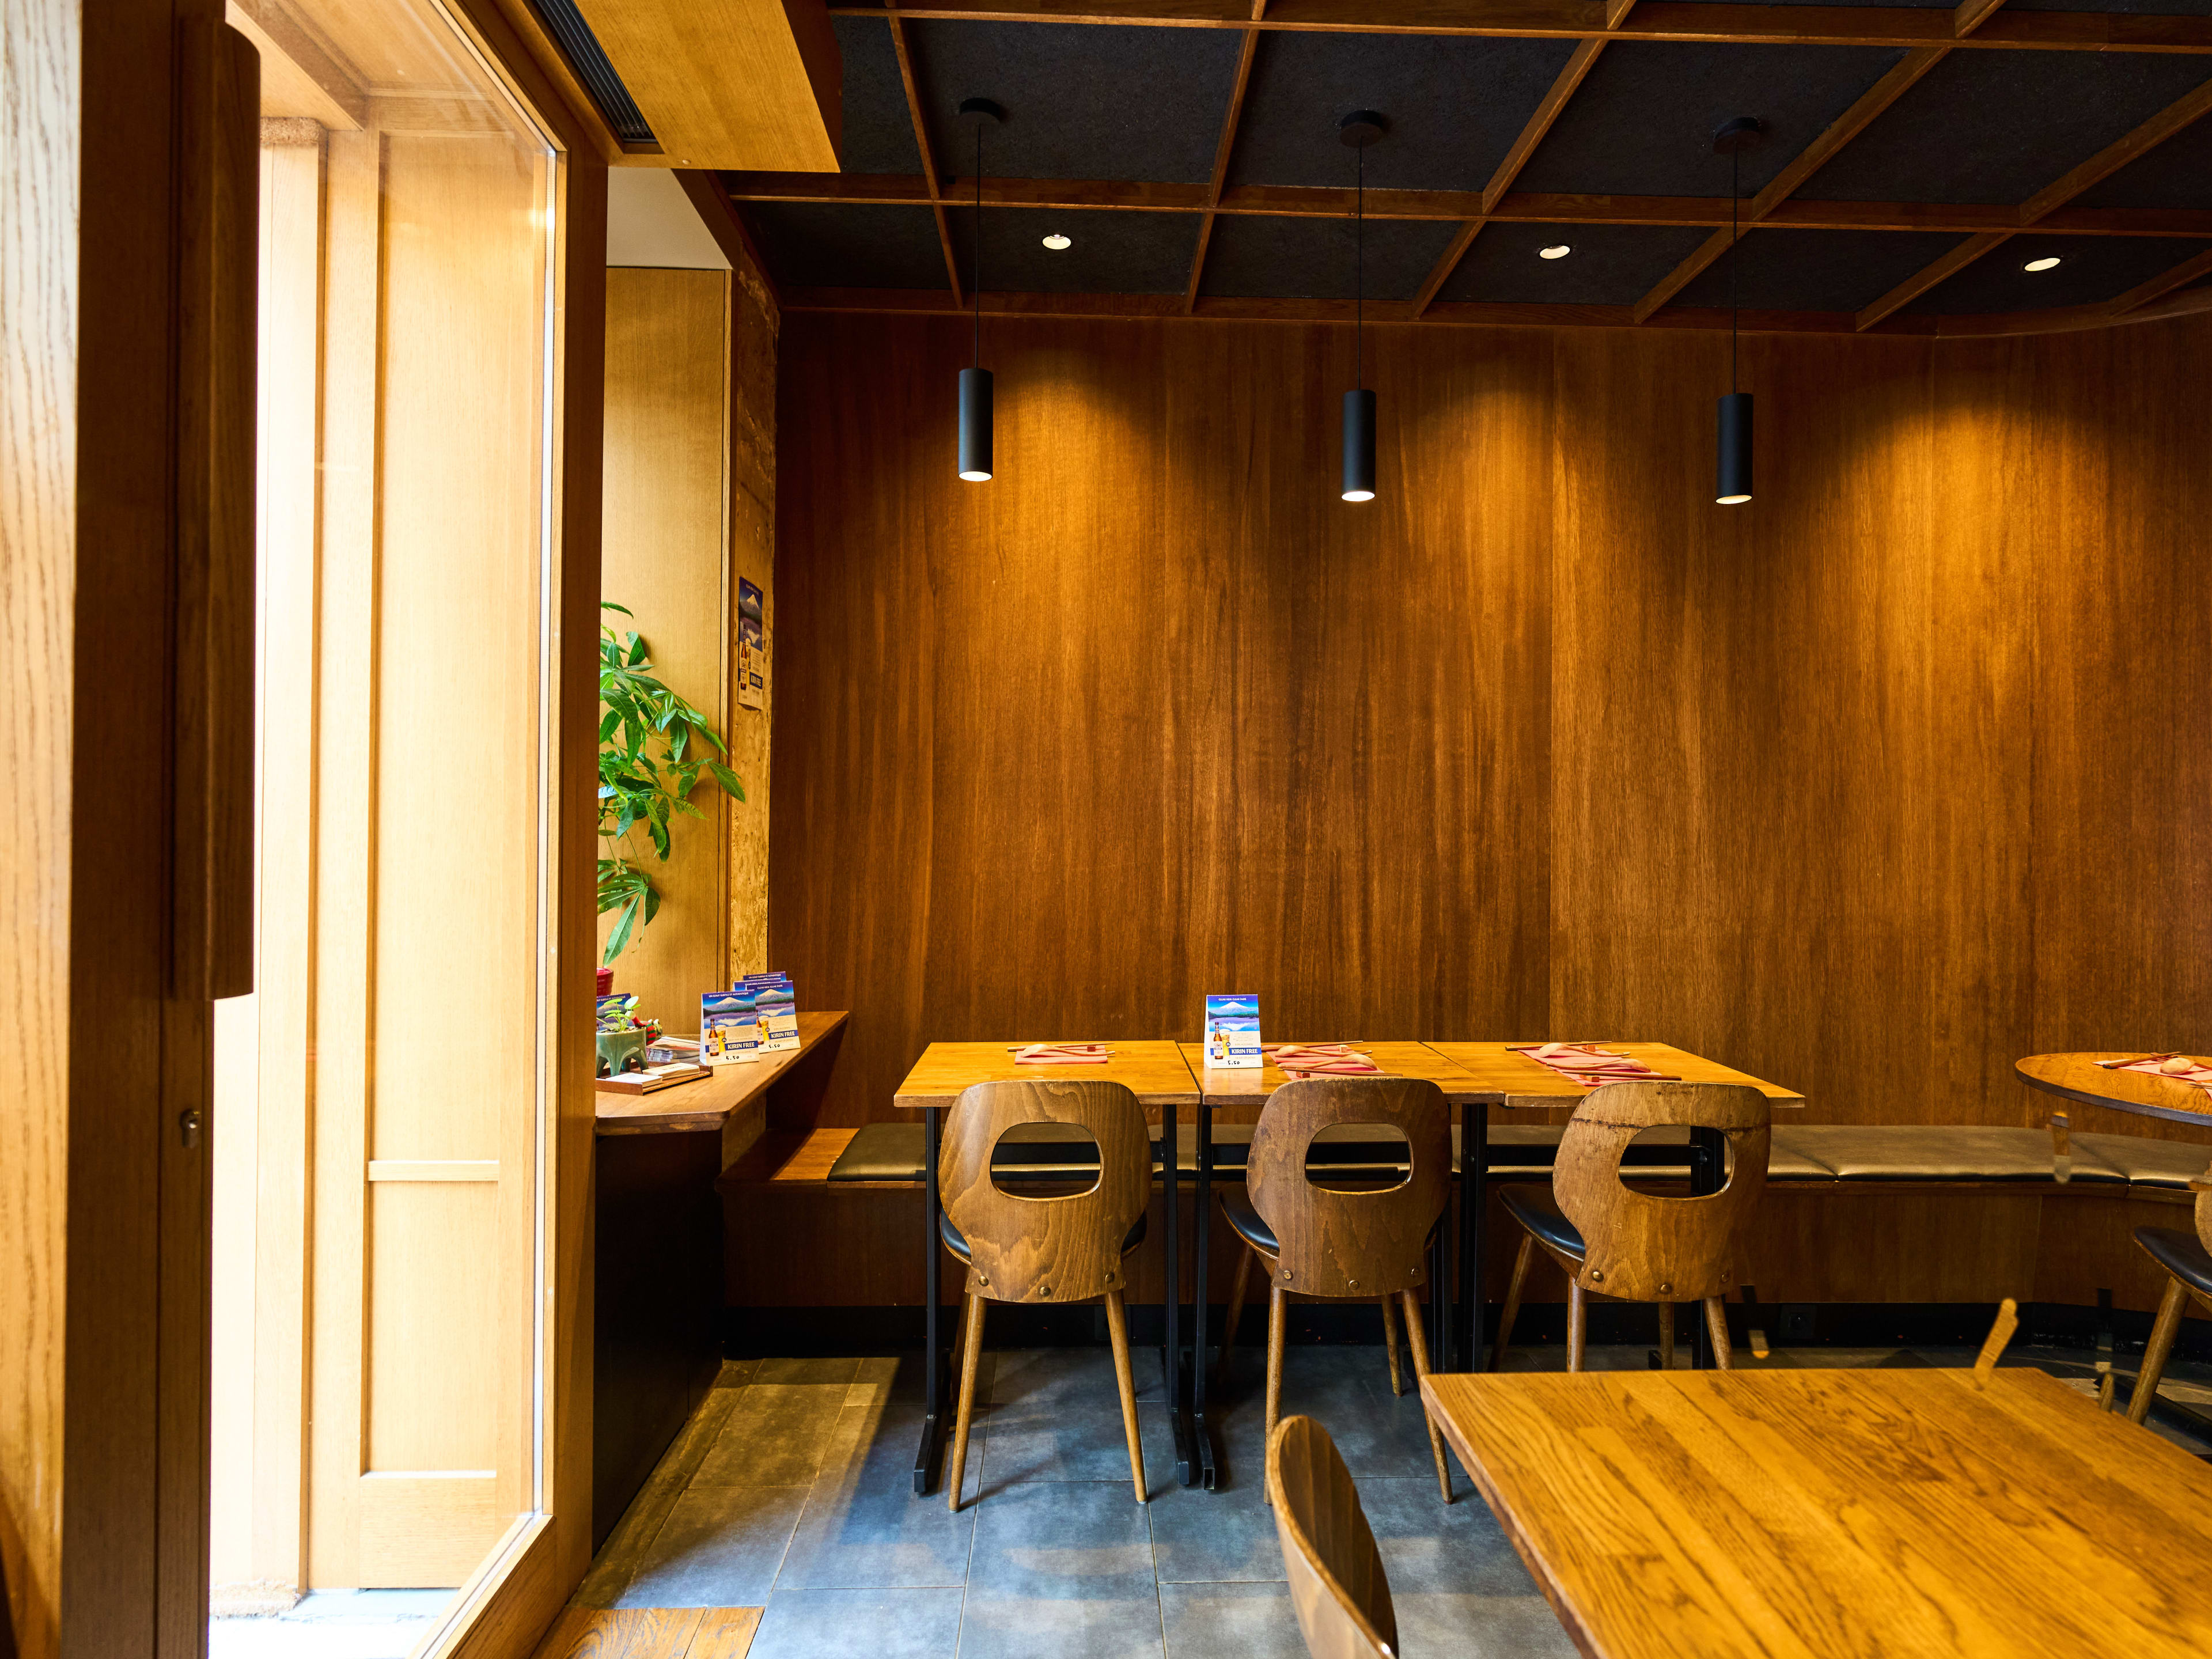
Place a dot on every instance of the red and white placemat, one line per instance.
(1062, 1054)
(2178, 1068)
(1590, 1065)
(1322, 1059)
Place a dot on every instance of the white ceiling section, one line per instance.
(651, 221)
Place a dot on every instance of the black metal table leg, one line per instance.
(1171, 1303)
(1708, 1159)
(1474, 1219)
(932, 1358)
(1201, 1276)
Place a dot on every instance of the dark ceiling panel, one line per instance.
(2176, 174)
(847, 245)
(1642, 124)
(1082, 101)
(879, 131)
(1455, 106)
(1606, 264)
(1998, 126)
(1816, 270)
(1111, 252)
(1312, 258)
(2143, 8)
(2091, 269)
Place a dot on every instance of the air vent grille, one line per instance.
(586, 56)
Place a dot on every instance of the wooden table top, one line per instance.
(691, 1108)
(1511, 1079)
(2078, 1077)
(1826, 1512)
(1251, 1088)
(1154, 1069)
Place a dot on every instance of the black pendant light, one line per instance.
(975, 381)
(1359, 129)
(1732, 473)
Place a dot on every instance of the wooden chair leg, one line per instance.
(1716, 1322)
(1512, 1309)
(1117, 1326)
(971, 1356)
(1278, 1316)
(1390, 1345)
(1577, 1319)
(1666, 1336)
(2162, 1344)
(1239, 1288)
(960, 1334)
(1418, 1341)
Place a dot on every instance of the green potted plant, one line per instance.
(652, 754)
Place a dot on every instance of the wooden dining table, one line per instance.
(2081, 1076)
(1786, 1512)
(1505, 1076)
(1155, 1071)
(1249, 1086)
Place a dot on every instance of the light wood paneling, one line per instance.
(729, 83)
(664, 557)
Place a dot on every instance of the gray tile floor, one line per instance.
(791, 1489)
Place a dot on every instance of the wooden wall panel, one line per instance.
(666, 555)
(2119, 500)
(1542, 742)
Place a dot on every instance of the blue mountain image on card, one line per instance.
(1231, 1005)
(1236, 1028)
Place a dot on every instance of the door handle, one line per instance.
(219, 145)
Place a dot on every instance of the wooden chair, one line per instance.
(1640, 1246)
(1338, 1589)
(2188, 1264)
(1354, 1246)
(1043, 1250)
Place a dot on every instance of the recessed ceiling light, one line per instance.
(1557, 250)
(2043, 263)
(1056, 241)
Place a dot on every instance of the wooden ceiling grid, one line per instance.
(1927, 35)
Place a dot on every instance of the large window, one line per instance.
(383, 1097)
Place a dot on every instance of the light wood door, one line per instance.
(431, 1084)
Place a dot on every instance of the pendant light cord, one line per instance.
(976, 251)
(1359, 272)
(1735, 276)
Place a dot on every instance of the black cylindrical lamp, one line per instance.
(1359, 446)
(1732, 478)
(974, 425)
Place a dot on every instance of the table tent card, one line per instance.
(777, 1006)
(729, 1028)
(1232, 1032)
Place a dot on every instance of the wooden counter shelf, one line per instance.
(725, 1101)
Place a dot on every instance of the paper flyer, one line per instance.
(777, 1006)
(729, 1029)
(752, 646)
(1232, 1032)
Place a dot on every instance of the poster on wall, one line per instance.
(752, 647)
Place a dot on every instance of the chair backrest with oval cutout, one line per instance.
(1063, 1248)
(1647, 1247)
(1349, 1243)
(1338, 1588)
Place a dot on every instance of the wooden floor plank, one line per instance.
(725, 1633)
(626, 1633)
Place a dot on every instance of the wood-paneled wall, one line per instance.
(1870, 787)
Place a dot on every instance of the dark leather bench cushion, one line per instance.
(2179, 1254)
(958, 1246)
(1942, 1151)
(1542, 1217)
(881, 1152)
(2169, 1165)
